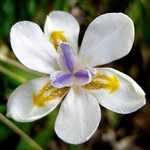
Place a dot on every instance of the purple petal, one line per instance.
(92, 71)
(68, 60)
(60, 79)
(84, 75)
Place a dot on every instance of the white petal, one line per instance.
(124, 98)
(27, 103)
(63, 21)
(108, 37)
(32, 48)
(79, 116)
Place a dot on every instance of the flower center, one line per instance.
(57, 36)
(70, 72)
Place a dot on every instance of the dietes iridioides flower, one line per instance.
(73, 73)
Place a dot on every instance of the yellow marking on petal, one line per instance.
(103, 82)
(57, 36)
(47, 93)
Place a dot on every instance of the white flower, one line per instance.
(108, 37)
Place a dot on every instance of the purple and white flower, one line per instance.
(73, 74)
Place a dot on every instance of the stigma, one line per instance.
(70, 73)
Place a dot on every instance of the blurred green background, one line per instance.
(115, 132)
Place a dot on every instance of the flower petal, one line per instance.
(62, 21)
(61, 79)
(84, 75)
(68, 60)
(34, 99)
(78, 117)
(32, 48)
(116, 91)
(108, 37)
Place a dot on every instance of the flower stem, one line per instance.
(19, 132)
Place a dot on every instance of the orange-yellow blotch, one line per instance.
(47, 93)
(103, 82)
(39, 100)
(57, 36)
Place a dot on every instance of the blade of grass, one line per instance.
(19, 65)
(12, 75)
(20, 132)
